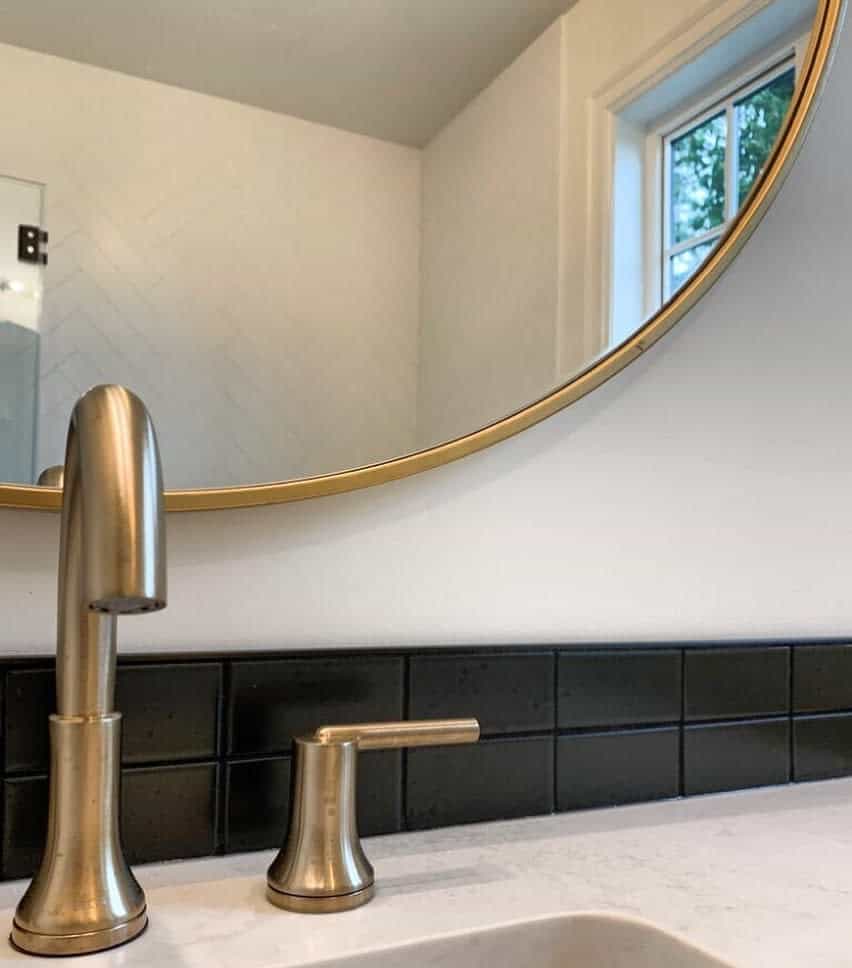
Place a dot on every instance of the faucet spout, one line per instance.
(84, 898)
(112, 544)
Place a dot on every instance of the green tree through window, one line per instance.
(759, 120)
(698, 179)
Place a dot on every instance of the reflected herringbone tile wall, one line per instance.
(240, 270)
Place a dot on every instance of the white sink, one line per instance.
(571, 941)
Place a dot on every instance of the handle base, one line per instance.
(300, 904)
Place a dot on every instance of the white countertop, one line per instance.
(761, 878)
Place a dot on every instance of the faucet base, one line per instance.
(84, 897)
(34, 943)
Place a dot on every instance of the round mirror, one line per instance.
(332, 243)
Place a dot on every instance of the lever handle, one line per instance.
(322, 866)
(390, 736)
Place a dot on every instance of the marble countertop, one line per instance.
(760, 878)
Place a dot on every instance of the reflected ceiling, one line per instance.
(297, 58)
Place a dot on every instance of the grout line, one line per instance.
(736, 720)
(42, 774)
(621, 728)
(681, 766)
(237, 758)
(169, 764)
(791, 770)
(822, 714)
(508, 737)
(3, 698)
(223, 790)
(219, 810)
(555, 730)
(406, 714)
(223, 724)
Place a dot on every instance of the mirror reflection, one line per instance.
(317, 235)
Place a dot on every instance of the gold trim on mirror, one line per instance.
(823, 37)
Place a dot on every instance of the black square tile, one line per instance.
(30, 699)
(603, 769)
(169, 812)
(170, 713)
(735, 756)
(495, 779)
(25, 802)
(258, 804)
(725, 683)
(507, 693)
(619, 688)
(2, 707)
(259, 799)
(274, 700)
(380, 792)
(822, 678)
(822, 747)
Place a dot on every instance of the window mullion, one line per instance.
(666, 234)
(709, 236)
(732, 160)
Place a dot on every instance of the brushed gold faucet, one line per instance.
(322, 867)
(112, 561)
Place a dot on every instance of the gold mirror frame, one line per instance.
(823, 37)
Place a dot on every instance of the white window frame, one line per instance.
(604, 110)
(721, 102)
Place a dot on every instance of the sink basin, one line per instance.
(571, 941)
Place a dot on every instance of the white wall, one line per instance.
(490, 249)
(702, 494)
(186, 228)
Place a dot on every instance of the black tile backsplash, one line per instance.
(258, 803)
(619, 766)
(206, 740)
(506, 693)
(619, 688)
(822, 678)
(493, 780)
(271, 701)
(736, 683)
(24, 825)
(730, 756)
(822, 747)
(169, 811)
(30, 697)
(169, 713)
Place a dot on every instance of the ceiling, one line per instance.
(393, 69)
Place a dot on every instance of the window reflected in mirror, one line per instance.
(713, 162)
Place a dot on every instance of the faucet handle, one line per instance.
(322, 867)
(410, 733)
